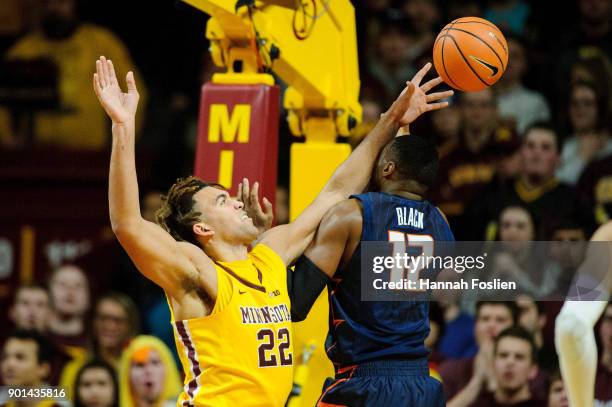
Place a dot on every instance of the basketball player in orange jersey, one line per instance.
(230, 307)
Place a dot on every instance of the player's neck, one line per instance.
(411, 191)
(505, 396)
(226, 252)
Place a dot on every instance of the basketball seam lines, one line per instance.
(444, 63)
(477, 22)
(484, 42)
(467, 62)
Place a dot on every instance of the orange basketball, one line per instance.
(470, 53)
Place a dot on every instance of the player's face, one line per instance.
(515, 228)
(478, 109)
(556, 395)
(96, 388)
(583, 109)
(512, 364)
(225, 216)
(19, 365)
(31, 309)
(69, 291)
(147, 377)
(111, 324)
(529, 318)
(605, 329)
(540, 154)
(491, 320)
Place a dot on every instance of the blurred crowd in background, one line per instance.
(528, 159)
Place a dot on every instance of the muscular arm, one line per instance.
(334, 243)
(155, 253)
(289, 241)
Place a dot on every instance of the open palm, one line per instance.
(415, 99)
(121, 107)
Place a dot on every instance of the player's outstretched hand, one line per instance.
(262, 218)
(120, 106)
(415, 99)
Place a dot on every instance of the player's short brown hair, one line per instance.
(176, 215)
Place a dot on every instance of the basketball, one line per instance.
(470, 54)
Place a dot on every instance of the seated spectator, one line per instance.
(603, 378)
(96, 386)
(72, 45)
(557, 396)
(148, 375)
(115, 323)
(519, 259)
(446, 124)
(537, 189)
(514, 365)
(594, 191)
(31, 309)
(69, 289)
(514, 101)
(492, 317)
(389, 65)
(25, 362)
(588, 113)
(468, 168)
(532, 317)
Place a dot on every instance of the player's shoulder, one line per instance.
(196, 255)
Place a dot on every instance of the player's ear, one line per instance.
(202, 230)
(388, 169)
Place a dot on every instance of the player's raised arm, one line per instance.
(155, 253)
(352, 176)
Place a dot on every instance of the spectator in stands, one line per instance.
(147, 374)
(603, 378)
(96, 386)
(557, 396)
(588, 113)
(31, 309)
(594, 191)
(465, 171)
(514, 365)
(79, 122)
(532, 317)
(514, 101)
(423, 18)
(492, 317)
(457, 339)
(69, 289)
(25, 362)
(446, 124)
(592, 65)
(537, 189)
(510, 16)
(116, 321)
(390, 65)
(519, 259)
(461, 8)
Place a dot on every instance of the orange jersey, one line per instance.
(241, 354)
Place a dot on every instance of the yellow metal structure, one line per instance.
(311, 46)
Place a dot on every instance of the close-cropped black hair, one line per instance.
(415, 157)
